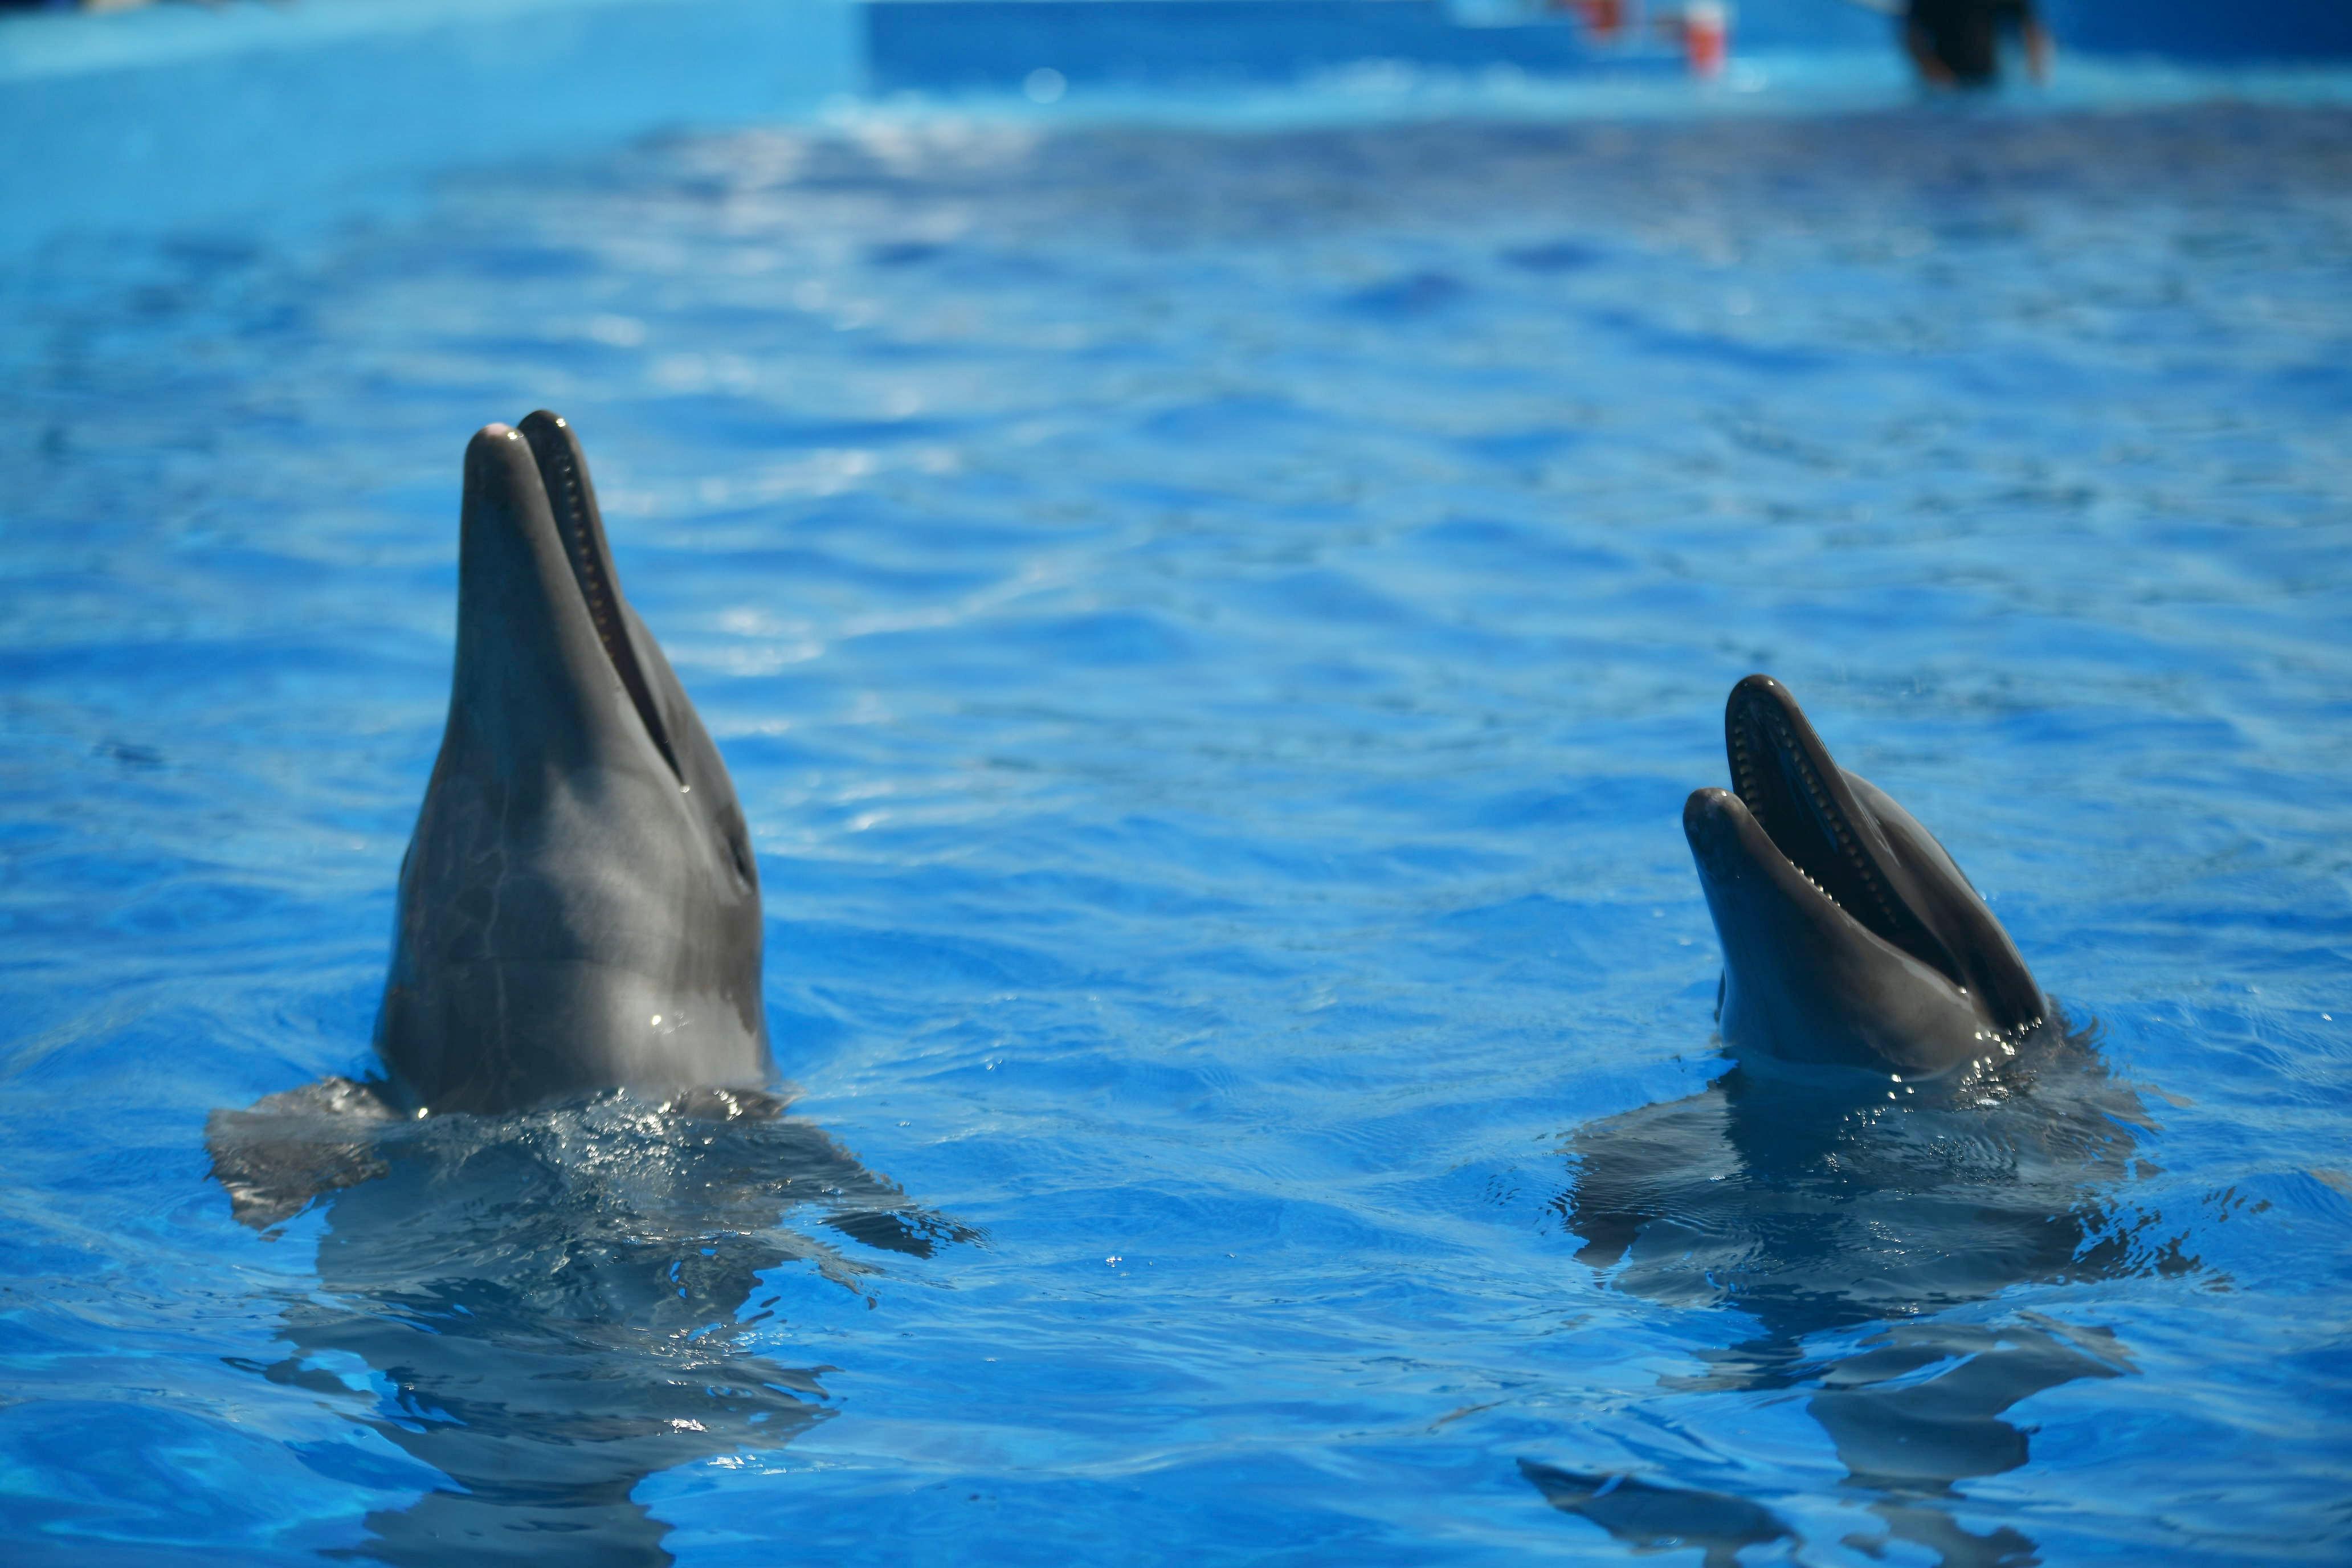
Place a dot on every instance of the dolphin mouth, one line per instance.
(579, 526)
(1797, 794)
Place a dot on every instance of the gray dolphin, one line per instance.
(556, 1301)
(579, 907)
(1849, 936)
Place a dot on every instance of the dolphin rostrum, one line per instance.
(579, 907)
(1849, 936)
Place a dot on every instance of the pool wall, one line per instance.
(179, 115)
(919, 45)
(2204, 33)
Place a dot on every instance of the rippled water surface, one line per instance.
(1211, 631)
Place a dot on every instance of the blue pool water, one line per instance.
(1213, 629)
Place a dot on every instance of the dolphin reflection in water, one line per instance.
(549, 1307)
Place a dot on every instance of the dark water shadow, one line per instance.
(1652, 1517)
(1819, 1214)
(546, 1309)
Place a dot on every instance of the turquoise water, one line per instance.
(1211, 631)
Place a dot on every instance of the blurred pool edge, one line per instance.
(284, 118)
(180, 114)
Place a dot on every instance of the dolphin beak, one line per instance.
(1710, 821)
(1806, 806)
(544, 642)
(1731, 846)
(580, 524)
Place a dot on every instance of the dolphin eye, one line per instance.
(742, 852)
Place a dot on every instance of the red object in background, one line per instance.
(1706, 36)
(1603, 19)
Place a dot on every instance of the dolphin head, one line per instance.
(1849, 936)
(579, 907)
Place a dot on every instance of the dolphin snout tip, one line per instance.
(1711, 822)
(490, 437)
(497, 457)
(1706, 809)
(1758, 688)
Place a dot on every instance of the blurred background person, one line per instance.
(1957, 43)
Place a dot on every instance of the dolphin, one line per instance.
(548, 1301)
(579, 912)
(1850, 938)
(579, 907)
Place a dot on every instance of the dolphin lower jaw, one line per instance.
(547, 674)
(1803, 980)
